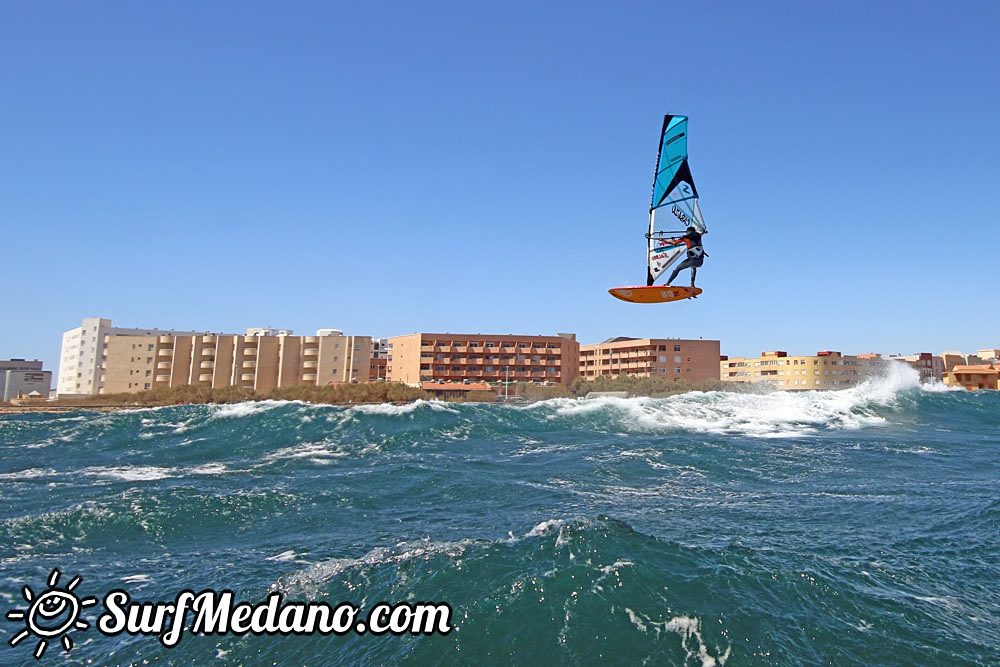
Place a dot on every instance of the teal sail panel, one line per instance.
(671, 164)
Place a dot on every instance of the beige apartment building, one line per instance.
(973, 377)
(81, 355)
(260, 360)
(433, 357)
(825, 370)
(693, 360)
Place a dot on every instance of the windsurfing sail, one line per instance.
(674, 195)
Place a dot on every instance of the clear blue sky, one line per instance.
(391, 167)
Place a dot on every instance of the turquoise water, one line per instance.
(850, 527)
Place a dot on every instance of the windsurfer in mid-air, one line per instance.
(695, 254)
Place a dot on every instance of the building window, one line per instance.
(677, 370)
(677, 348)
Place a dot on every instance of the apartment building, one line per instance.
(377, 369)
(825, 370)
(929, 366)
(19, 377)
(82, 350)
(973, 377)
(260, 360)
(381, 348)
(679, 359)
(432, 357)
(989, 355)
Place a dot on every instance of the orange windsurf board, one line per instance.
(654, 293)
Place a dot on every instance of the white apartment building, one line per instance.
(381, 349)
(20, 377)
(82, 351)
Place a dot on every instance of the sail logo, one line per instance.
(680, 215)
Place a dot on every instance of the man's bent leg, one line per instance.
(680, 267)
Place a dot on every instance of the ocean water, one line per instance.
(853, 527)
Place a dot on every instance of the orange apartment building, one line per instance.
(977, 376)
(254, 361)
(694, 360)
(432, 357)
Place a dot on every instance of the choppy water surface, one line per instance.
(850, 527)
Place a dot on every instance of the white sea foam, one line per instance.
(544, 527)
(772, 414)
(152, 473)
(316, 574)
(209, 469)
(132, 473)
(315, 451)
(406, 408)
(939, 388)
(688, 628)
(246, 408)
(30, 473)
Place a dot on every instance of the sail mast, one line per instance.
(649, 248)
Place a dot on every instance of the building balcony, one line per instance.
(166, 340)
(205, 377)
(163, 378)
(309, 364)
(310, 351)
(246, 377)
(208, 340)
(309, 377)
(163, 365)
(249, 363)
(165, 352)
(208, 364)
(310, 340)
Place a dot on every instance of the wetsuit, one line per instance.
(695, 256)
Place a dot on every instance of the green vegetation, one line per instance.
(387, 392)
(369, 392)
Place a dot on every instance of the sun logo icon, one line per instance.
(53, 613)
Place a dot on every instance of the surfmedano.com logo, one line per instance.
(54, 613)
(51, 614)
